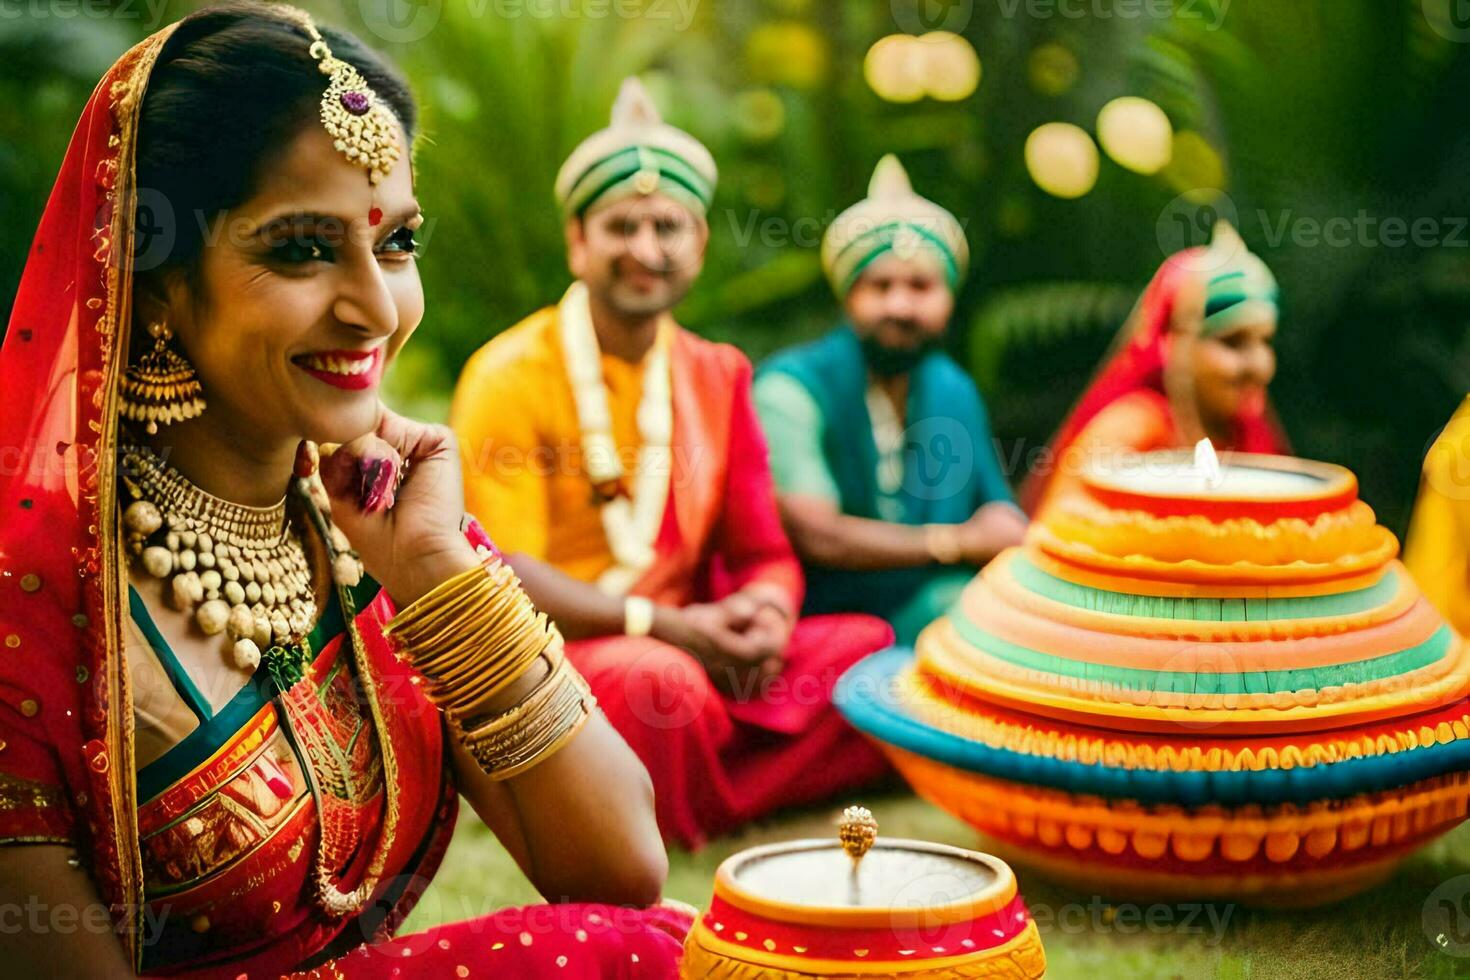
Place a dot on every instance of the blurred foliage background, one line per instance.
(1283, 115)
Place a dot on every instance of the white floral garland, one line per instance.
(631, 525)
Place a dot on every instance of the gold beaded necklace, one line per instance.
(241, 571)
(250, 562)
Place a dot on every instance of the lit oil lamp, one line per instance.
(1202, 677)
(1240, 484)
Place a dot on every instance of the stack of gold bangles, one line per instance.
(474, 636)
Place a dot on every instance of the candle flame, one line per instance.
(1207, 464)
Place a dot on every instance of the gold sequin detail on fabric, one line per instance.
(26, 794)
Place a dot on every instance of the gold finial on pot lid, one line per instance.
(857, 830)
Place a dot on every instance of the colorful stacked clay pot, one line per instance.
(912, 909)
(1183, 690)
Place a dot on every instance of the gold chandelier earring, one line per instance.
(161, 388)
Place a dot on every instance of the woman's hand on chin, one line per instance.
(398, 496)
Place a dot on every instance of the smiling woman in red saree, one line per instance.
(227, 820)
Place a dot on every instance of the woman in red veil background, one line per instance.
(212, 759)
(1192, 361)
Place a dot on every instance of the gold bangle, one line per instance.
(471, 637)
(529, 705)
(939, 541)
(521, 737)
(637, 616)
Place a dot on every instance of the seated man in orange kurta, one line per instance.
(617, 460)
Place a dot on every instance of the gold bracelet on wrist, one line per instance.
(545, 720)
(472, 637)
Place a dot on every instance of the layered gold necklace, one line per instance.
(241, 571)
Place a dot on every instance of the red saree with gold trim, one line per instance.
(213, 874)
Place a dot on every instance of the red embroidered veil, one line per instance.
(65, 714)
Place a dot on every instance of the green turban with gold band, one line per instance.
(1238, 286)
(637, 154)
(892, 219)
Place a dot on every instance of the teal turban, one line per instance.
(1238, 286)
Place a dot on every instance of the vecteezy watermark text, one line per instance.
(1363, 230)
(1160, 918)
(920, 16)
(150, 12)
(406, 21)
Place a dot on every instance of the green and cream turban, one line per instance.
(638, 153)
(1238, 286)
(892, 219)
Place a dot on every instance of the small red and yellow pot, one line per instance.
(907, 908)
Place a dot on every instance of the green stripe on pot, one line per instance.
(1208, 682)
(1199, 609)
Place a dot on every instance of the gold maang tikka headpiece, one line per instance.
(360, 125)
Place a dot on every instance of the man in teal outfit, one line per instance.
(886, 473)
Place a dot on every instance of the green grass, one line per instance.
(1375, 936)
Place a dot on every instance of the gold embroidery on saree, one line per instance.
(107, 661)
(27, 794)
(230, 822)
(333, 732)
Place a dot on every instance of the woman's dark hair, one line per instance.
(231, 87)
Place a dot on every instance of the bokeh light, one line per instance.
(1052, 69)
(894, 68)
(1062, 159)
(787, 53)
(1195, 168)
(951, 66)
(760, 115)
(905, 68)
(1136, 134)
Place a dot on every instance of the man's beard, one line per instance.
(888, 362)
(630, 302)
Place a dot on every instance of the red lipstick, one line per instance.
(351, 370)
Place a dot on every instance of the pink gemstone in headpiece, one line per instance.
(354, 102)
